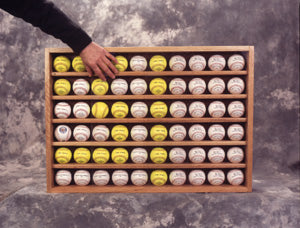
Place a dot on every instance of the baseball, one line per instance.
(216, 109)
(101, 177)
(120, 177)
(82, 177)
(177, 177)
(235, 132)
(236, 62)
(81, 87)
(216, 62)
(177, 63)
(119, 155)
(139, 177)
(197, 132)
(197, 155)
(138, 63)
(119, 109)
(197, 86)
(62, 133)
(178, 109)
(62, 110)
(177, 86)
(158, 155)
(81, 133)
(177, 155)
(235, 85)
(100, 133)
(235, 154)
(139, 155)
(197, 177)
(197, 63)
(216, 155)
(177, 132)
(81, 110)
(82, 155)
(139, 109)
(236, 109)
(119, 86)
(216, 86)
(216, 177)
(235, 177)
(101, 155)
(159, 133)
(139, 133)
(159, 109)
(216, 132)
(63, 177)
(138, 86)
(197, 109)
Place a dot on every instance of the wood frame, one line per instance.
(247, 97)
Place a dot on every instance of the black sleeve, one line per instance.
(49, 19)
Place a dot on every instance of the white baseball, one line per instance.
(216, 155)
(197, 63)
(216, 177)
(216, 132)
(216, 109)
(101, 177)
(81, 86)
(139, 177)
(138, 63)
(236, 62)
(177, 63)
(82, 177)
(177, 155)
(235, 177)
(120, 177)
(81, 133)
(197, 132)
(139, 155)
(81, 110)
(62, 110)
(139, 109)
(177, 86)
(236, 109)
(62, 133)
(119, 86)
(235, 132)
(235, 154)
(177, 132)
(138, 86)
(197, 177)
(236, 85)
(197, 155)
(139, 133)
(63, 177)
(178, 109)
(197, 86)
(197, 109)
(216, 86)
(100, 133)
(177, 177)
(216, 62)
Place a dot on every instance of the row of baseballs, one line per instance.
(139, 155)
(158, 109)
(157, 86)
(157, 177)
(177, 132)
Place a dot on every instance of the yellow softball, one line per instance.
(159, 109)
(119, 133)
(119, 109)
(101, 155)
(158, 155)
(99, 87)
(159, 177)
(61, 63)
(158, 86)
(100, 110)
(63, 155)
(82, 155)
(158, 63)
(122, 63)
(158, 133)
(119, 155)
(78, 65)
(62, 87)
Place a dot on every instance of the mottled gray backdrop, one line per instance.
(271, 26)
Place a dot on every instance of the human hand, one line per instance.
(97, 61)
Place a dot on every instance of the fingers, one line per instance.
(89, 70)
(110, 65)
(104, 68)
(110, 56)
(98, 72)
